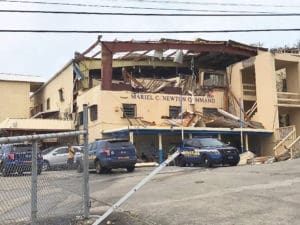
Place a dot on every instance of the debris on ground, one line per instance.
(246, 157)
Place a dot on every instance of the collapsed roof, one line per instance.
(208, 54)
(204, 54)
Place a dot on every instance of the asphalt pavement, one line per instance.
(252, 194)
(266, 194)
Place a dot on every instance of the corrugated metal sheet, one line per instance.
(21, 78)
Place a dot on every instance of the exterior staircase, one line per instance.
(288, 145)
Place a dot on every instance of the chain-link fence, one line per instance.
(30, 194)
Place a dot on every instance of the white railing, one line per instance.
(282, 132)
(295, 148)
(283, 146)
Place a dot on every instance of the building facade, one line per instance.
(156, 93)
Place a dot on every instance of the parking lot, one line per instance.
(252, 194)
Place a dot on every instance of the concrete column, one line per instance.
(219, 137)
(190, 135)
(160, 148)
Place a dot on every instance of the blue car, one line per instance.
(206, 152)
(108, 154)
(16, 158)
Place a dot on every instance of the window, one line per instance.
(61, 95)
(80, 118)
(93, 112)
(174, 111)
(63, 150)
(129, 110)
(48, 103)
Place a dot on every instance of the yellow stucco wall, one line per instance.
(50, 90)
(265, 81)
(14, 100)
(266, 90)
(150, 107)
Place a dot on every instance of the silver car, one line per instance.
(55, 157)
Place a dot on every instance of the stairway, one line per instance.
(288, 145)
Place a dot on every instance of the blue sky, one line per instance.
(45, 54)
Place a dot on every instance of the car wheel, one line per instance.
(181, 161)
(206, 161)
(46, 166)
(79, 168)
(99, 168)
(233, 163)
(39, 171)
(5, 172)
(130, 169)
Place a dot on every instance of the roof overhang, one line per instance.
(37, 125)
(122, 131)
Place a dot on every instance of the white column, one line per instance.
(160, 150)
(131, 137)
(246, 142)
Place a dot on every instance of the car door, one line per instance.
(188, 151)
(60, 156)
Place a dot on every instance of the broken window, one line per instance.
(94, 77)
(129, 110)
(61, 95)
(93, 112)
(174, 111)
(213, 80)
(48, 103)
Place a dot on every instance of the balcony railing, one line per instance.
(288, 99)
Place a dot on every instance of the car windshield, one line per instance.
(207, 142)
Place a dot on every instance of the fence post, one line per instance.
(86, 194)
(34, 183)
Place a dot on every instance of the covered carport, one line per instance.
(158, 142)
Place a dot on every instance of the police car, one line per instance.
(206, 152)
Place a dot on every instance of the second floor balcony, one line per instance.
(288, 99)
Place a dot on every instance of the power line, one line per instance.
(217, 3)
(127, 7)
(150, 14)
(146, 31)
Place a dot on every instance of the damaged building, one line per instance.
(157, 92)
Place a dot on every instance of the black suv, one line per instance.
(108, 154)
